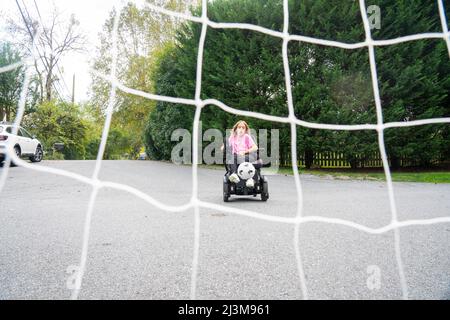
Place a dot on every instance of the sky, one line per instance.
(90, 13)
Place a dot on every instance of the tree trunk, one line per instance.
(8, 113)
(48, 87)
(40, 84)
(48, 83)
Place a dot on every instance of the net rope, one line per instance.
(195, 203)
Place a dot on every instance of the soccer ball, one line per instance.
(246, 170)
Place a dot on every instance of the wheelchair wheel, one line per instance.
(265, 191)
(226, 192)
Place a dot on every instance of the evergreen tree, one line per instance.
(244, 69)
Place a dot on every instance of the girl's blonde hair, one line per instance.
(241, 122)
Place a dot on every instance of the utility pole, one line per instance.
(73, 89)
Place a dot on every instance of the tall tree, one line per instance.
(414, 81)
(11, 84)
(58, 36)
(330, 85)
(60, 122)
(142, 36)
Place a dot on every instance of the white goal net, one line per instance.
(195, 203)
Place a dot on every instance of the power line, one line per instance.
(29, 31)
(44, 61)
(63, 80)
(40, 40)
(38, 12)
(57, 64)
(24, 20)
(70, 93)
(58, 91)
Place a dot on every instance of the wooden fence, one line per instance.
(338, 160)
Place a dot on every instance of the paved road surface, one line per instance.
(139, 252)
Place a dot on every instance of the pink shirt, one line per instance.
(239, 144)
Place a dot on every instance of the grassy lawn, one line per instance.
(401, 176)
(435, 176)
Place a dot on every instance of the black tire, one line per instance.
(18, 153)
(226, 192)
(38, 155)
(265, 191)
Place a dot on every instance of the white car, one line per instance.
(25, 144)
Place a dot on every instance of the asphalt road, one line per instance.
(139, 252)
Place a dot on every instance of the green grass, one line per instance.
(402, 176)
(373, 175)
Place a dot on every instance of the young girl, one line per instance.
(241, 144)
